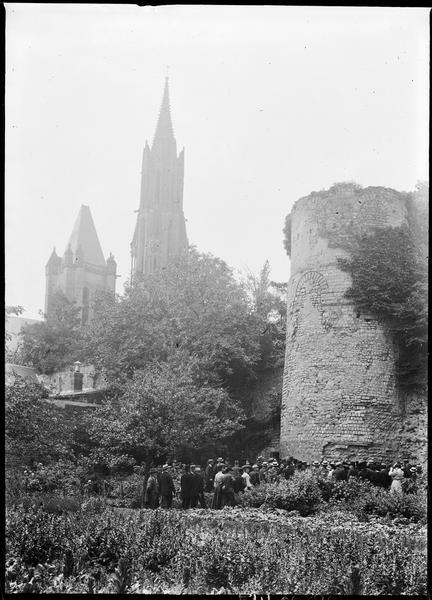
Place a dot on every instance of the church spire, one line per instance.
(164, 129)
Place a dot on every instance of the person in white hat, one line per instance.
(397, 475)
(246, 477)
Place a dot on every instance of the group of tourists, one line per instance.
(227, 481)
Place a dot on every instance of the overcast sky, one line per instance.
(270, 104)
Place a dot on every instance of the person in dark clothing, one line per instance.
(197, 488)
(289, 470)
(227, 488)
(152, 490)
(239, 482)
(339, 474)
(406, 469)
(186, 487)
(352, 471)
(166, 487)
(381, 478)
(209, 474)
(254, 475)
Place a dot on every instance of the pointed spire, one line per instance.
(84, 240)
(53, 262)
(164, 128)
(68, 256)
(53, 257)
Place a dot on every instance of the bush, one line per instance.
(93, 506)
(58, 505)
(301, 492)
(364, 499)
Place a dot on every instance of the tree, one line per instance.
(193, 308)
(34, 429)
(268, 300)
(55, 343)
(161, 413)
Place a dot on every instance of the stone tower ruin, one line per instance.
(339, 395)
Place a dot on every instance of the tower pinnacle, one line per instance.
(164, 129)
(160, 230)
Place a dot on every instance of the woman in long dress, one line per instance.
(217, 496)
(397, 476)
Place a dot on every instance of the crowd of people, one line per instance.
(226, 481)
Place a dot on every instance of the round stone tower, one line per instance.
(339, 396)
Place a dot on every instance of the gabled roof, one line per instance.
(84, 236)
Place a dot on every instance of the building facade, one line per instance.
(82, 270)
(160, 230)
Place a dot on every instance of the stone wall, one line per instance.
(339, 398)
(63, 381)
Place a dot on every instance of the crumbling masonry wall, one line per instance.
(339, 395)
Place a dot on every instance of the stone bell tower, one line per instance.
(160, 231)
(82, 270)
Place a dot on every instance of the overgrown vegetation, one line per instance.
(389, 282)
(237, 551)
(388, 268)
(185, 344)
(55, 343)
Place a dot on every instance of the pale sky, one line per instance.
(270, 103)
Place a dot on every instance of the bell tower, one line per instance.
(82, 270)
(160, 230)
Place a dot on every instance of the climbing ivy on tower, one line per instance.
(389, 282)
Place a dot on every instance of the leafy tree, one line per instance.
(194, 308)
(269, 310)
(11, 310)
(54, 343)
(11, 355)
(34, 429)
(163, 412)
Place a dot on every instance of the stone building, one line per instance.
(160, 231)
(340, 398)
(82, 270)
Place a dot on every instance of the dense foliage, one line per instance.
(35, 430)
(54, 343)
(161, 413)
(232, 550)
(194, 307)
(189, 332)
(389, 282)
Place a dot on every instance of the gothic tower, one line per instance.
(160, 231)
(83, 269)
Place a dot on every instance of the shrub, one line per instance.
(58, 505)
(364, 499)
(301, 492)
(93, 506)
